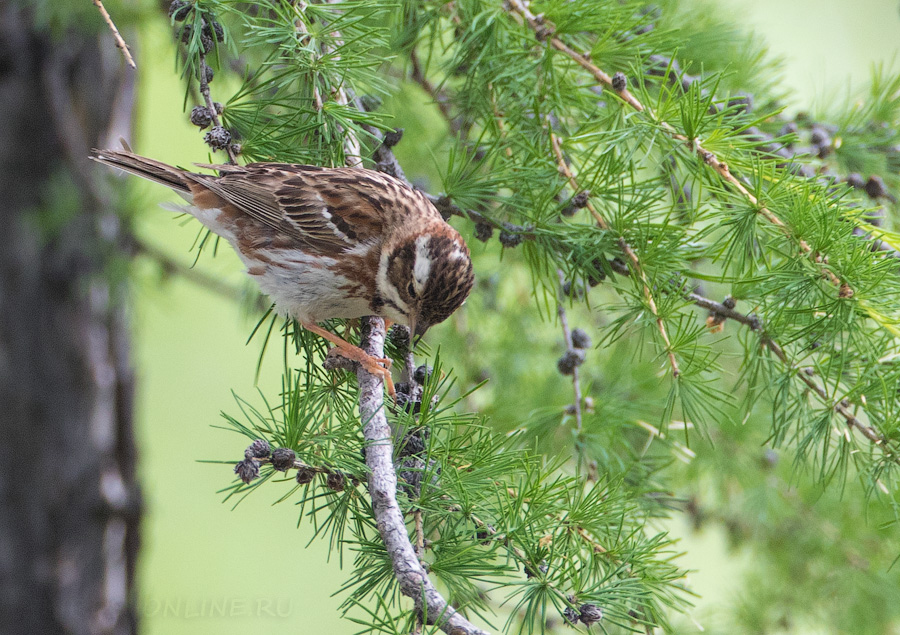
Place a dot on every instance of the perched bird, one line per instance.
(327, 242)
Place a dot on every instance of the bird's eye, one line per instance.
(411, 290)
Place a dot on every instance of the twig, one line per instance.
(626, 249)
(439, 97)
(120, 42)
(318, 469)
(408, 571)
(544, 31)
(720, 309)
(300, 7)
(420, 537)
(842, 406)
(352, 148)
(213, 113)
(567, 334)
(596, 547)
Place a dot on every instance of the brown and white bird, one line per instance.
(327, 242)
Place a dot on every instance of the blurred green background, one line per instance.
(206, 568)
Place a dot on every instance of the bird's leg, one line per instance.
(375, 365)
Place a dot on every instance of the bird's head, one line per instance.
(424, 277)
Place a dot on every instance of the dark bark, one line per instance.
(69, 504)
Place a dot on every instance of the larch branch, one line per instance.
(544, 31)
(841, 406)
(408, 570)
(626, 249)
(386, 158)
(439, 97)
(567, 335)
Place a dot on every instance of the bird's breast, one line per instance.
(309, 288)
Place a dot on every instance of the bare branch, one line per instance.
(297, 464)
(120, 42)
(170, 266)
(410, 574)
(567, 334)
(439, 97)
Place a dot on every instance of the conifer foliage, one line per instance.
(708, 261)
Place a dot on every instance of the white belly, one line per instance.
(305, 288)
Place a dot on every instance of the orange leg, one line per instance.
(375, 365)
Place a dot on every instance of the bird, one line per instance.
(327, 243)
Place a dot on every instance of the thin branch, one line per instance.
(842, 406)
(520, 555)
(420, 536)
(439, 97)
(544, 31)
(726, 312)
(408, 571)
(120, 42)
(567, 334)
(352, 148)
(626, 249)
(210, 105)
(317, 469)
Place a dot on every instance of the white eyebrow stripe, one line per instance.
(422, 265)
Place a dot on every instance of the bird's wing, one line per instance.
(329, 210)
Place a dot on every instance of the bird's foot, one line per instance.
(375, 365)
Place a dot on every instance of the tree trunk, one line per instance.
(69, 504)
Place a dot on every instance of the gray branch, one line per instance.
(411, 576)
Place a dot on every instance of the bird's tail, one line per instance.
(146, 168)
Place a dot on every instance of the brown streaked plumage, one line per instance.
(327, 242)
